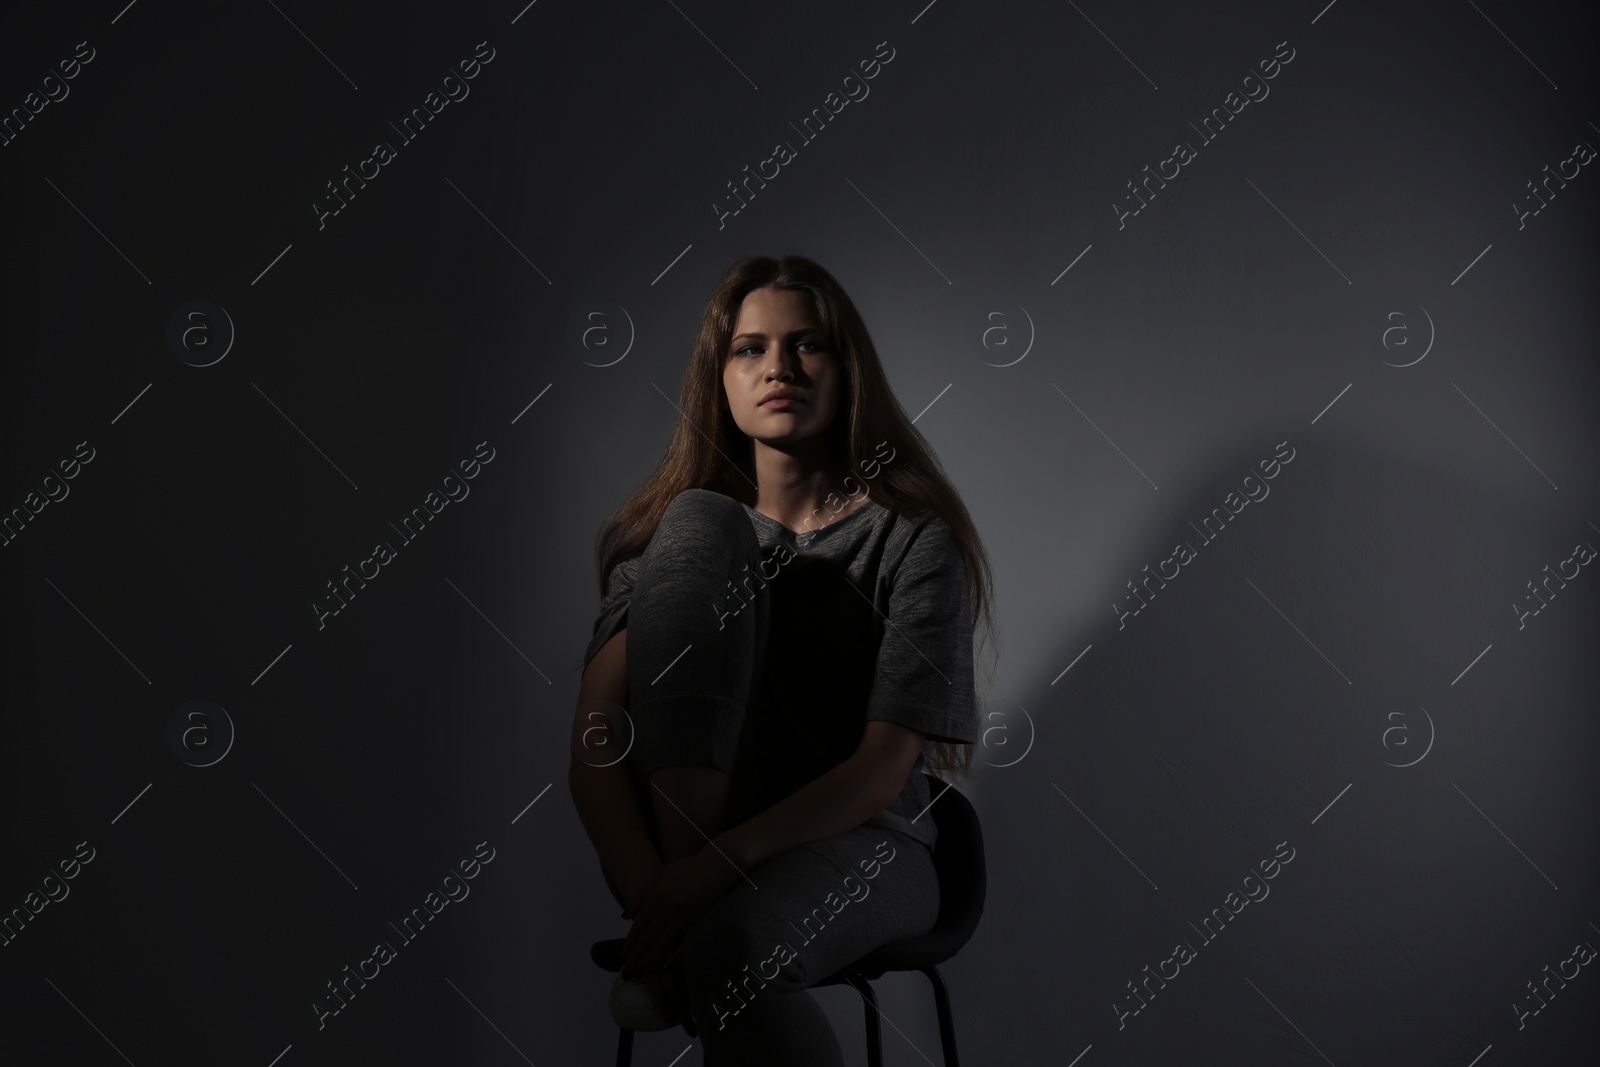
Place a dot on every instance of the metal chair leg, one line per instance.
(947, 1025)
(874, 1028)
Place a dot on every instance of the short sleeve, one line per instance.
(924, 676)
(613, 607)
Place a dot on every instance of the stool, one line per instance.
(963, 880)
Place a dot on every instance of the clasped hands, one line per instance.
(680, 893)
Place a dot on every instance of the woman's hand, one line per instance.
(634, 883)
(682, 891)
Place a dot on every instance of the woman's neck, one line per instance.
(795, 489)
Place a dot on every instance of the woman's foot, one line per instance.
(640, 1004)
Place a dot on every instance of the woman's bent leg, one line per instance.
(696, 636)
(747, 963)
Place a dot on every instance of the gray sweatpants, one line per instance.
(692, 671)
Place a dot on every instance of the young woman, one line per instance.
(784, 646)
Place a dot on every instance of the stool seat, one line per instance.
(910, 954)
(959, 863)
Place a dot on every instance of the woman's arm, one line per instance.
(604, 795)
(840, 800)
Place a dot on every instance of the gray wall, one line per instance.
(1342, 269)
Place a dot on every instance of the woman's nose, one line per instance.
(783, 364)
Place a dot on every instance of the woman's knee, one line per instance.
(704, 510)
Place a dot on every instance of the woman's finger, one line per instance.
(639, 942)
(642, 919)
(653, 943)
(664, 940)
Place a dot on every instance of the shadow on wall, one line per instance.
(1336, 689)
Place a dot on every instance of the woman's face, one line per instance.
(778, 343)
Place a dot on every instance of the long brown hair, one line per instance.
(709, 451)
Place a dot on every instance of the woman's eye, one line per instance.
(751, 349)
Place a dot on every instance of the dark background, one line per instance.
(1254, 701)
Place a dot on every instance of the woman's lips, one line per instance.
(781, 402)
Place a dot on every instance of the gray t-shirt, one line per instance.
(869, 621)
